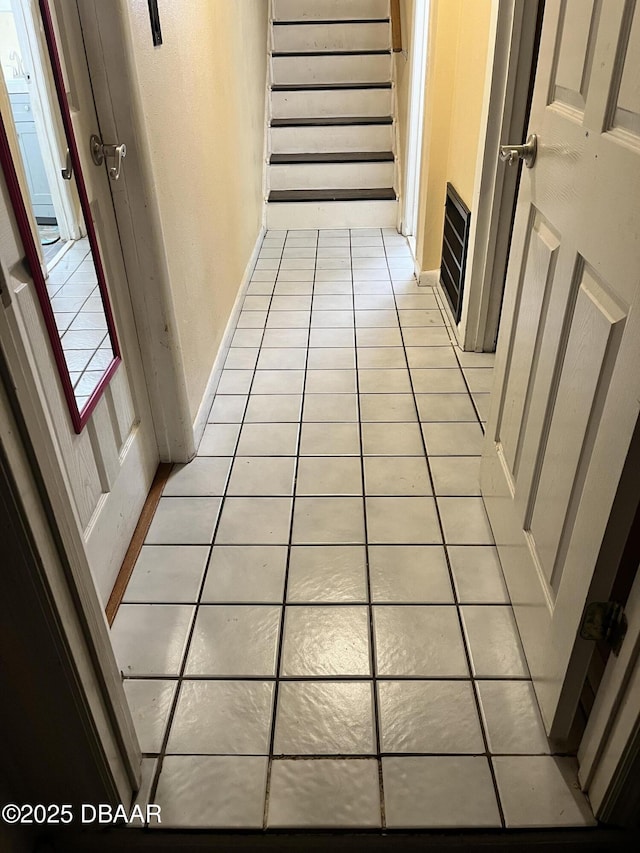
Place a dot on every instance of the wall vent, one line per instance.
(457, 219)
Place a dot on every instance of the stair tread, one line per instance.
(333, 157)
(330, 121)
(377, 194)
(313, 22)
(295, 53)
(319, 87)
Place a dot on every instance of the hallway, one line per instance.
(317, 632)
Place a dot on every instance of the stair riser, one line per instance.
(331, 176)
(331, 103)
(311, 140)
(329, 10)
(312, 37)
(332, 214)
(331, 69)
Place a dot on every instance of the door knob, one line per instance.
(527, 152)
(100, 151)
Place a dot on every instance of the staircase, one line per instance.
(331, 160)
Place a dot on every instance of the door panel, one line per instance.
(566, 399)
(107, 466)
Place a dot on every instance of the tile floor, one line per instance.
(317, 633)
(72, 286)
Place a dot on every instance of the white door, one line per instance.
(567, 393)
(104, 472)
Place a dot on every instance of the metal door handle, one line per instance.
(67, 172)
(527, 152)
(100, 151)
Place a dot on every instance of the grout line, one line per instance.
(281, 637)
(372, 642)
(451, 577)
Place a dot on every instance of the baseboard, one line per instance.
(428, 278)
(200, 421)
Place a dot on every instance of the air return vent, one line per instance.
(454, 249)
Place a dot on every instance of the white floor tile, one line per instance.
(184, 521)
(245, 573)
(331, 358)
(167, 574)
(262, 475)
(334, 408)
(205, 476)
(326, 475)
(494, 644)
(402, 521)
(235, 641)
(324, 718)
(278, 382)
(477, 574)
(439, 792)
(465, 521)
(327, 573)
(254, 521)
(327, 793)
(396, 475)
(330, 439)
(453, 439)
(268, 439)
(541, 790)
(219, 439)
(282, 358)
(328, 521)
(273, 408)
(429, 716)
(150, 639)
(150, 701)
(423, 641)
(190, 794)
(331, 382)
(456, 475)
(228, 409)
(391, 439)
(222, 718)
(512, 718)
(409, 574)
(399, 408)
(325, 641)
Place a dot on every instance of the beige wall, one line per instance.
(456, 70)
(202, 93)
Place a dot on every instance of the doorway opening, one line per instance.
(54, 202)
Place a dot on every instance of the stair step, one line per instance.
(331, 138)
(333, 157)
(331, 176)
(313, 10)
(326, 87)
(332, 121)
(326, 103)
(294, 53)
(331, 68)
(339, 21)
(355, 38)
(377, 194)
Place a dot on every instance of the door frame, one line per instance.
(54, 572)
(50, 134)
(415, 123)
(111, 59)
(513, 35)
